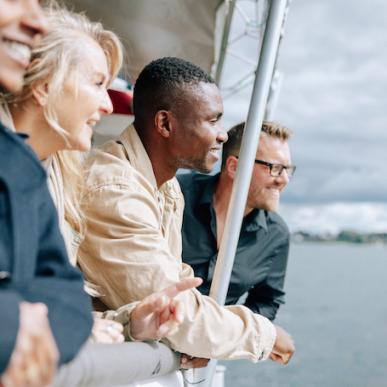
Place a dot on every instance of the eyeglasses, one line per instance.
(277, 169)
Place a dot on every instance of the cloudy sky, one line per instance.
(334, 97)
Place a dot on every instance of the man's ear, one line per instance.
(231, 166)
(163, 123)
(40, 93)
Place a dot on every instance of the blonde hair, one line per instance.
(235, 134)
(275, 130)
(54, 58)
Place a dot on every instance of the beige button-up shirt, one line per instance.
(133, 248)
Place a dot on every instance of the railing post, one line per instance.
(224, 43)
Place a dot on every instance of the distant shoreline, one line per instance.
(345, 236)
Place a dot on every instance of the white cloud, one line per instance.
(334, 97)
(366, 217)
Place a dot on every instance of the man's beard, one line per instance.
(198, 165)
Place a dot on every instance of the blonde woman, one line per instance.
(64, 96)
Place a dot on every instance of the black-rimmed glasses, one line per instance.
(277, 169)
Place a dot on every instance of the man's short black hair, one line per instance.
(161, 84)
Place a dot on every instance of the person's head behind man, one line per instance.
(269, 176)
(20, 22)
(178, 109)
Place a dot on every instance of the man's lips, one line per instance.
(215, 151)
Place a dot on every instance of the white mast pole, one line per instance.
(230, 4)
(250, 141)
(248, 150)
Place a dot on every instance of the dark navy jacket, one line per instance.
(33, 262)
(262, 253)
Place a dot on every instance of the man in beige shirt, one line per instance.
(134, 209)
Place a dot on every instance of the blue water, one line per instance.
(336, 311)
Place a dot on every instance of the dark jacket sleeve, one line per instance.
(266, 297)
(9, 324)
(60, 287)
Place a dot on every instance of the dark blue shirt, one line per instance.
(262, 253)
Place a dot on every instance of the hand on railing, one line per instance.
(107, 331)
(283, 347)
(160, 314)
(187, 362)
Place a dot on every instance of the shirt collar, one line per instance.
(252, 222)
(137, 155)
(7, 121)
(6, 117)
(256, 219)
(139, 159)
(209, 189)
(23, 136)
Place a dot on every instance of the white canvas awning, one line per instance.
(151, 29)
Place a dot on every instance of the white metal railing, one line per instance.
(177, 379)
(174, 379)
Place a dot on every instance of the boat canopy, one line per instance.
(150, 29)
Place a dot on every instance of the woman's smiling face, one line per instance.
(84, 98)
(20, 23)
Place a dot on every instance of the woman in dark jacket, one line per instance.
(36, 278)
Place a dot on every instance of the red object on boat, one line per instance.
(122, 101)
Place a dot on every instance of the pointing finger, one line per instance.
(181, 286)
